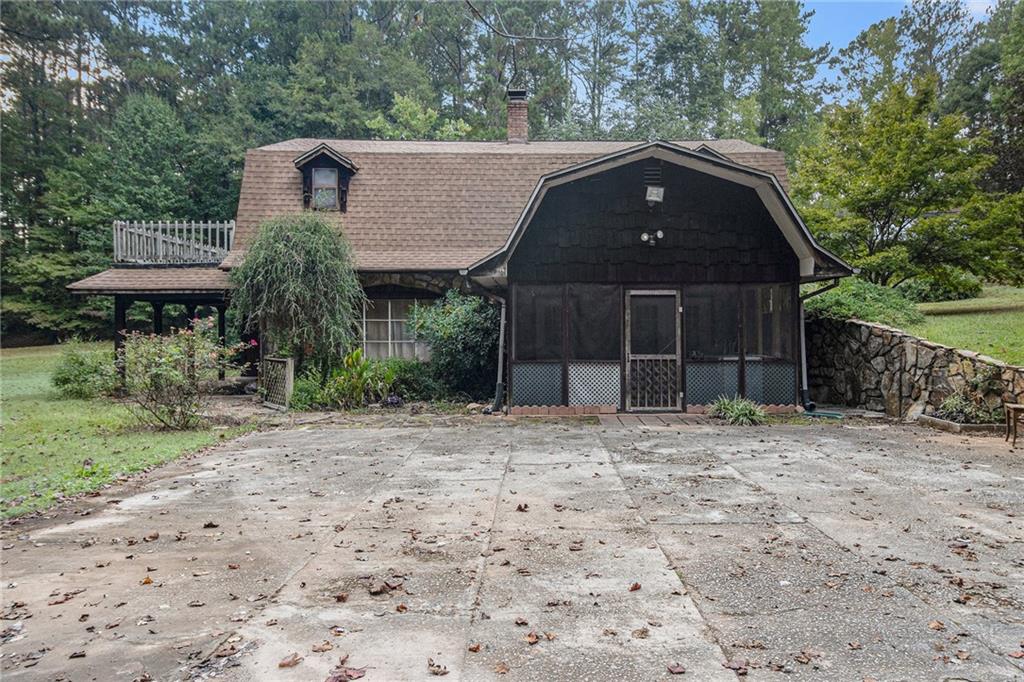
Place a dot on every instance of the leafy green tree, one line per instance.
(299, 285)
(887, 184)
(870, 64)
(133, 173)
(410, 120)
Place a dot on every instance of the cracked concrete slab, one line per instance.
(554, 551)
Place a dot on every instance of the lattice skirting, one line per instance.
(595, 383)
(536, 383)
(276, 379)
(772, 383)
(708, 381)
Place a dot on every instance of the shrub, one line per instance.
(738, 411)
(82, 373)
(967, 404)
(947, 285)
(463, 335)
(167, 378)
(862, 300)
(415, 380)
(299, 284)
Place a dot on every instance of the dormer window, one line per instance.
(325, 178)
(325, 189)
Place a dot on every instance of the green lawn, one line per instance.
(51, 447)
(992, 324)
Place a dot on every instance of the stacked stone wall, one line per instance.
(871, 366)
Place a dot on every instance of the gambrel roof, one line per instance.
(432, 206)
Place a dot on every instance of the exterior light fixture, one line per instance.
(655, 195)
(652, 238)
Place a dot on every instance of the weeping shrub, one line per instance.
(299, 284)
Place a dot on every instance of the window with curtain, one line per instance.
(538, 320)
(386, 332)
(325, 188)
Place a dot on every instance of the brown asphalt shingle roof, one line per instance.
(432, 205)
(153, 280)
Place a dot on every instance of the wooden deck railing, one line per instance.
(160, 243)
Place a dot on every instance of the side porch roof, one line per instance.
(155, 280)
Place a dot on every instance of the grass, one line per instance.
(992, 324)
(51, 448)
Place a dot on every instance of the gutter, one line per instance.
(499, 384)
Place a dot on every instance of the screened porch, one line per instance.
(653, 347)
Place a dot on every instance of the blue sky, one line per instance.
(837, 22)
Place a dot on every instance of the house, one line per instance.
(645, 276)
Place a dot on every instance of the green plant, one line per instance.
(950, 284)
(307, 392)
(462, 332)
(967, 404)
(357, 382)
(738, 411)
(167, 377)
(856, 298)
(415, 380)
(299, 284)
(82, 373)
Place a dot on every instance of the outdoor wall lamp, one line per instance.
(652, 239)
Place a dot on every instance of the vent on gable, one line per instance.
(652, 173)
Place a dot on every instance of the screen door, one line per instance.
(652, 350)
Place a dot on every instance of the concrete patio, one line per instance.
(536, 551)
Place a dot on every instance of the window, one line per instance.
(325, 188)
(386, 332)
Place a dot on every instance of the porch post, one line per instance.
(158, 318)
(221, 333)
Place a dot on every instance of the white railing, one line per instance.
(155, 243)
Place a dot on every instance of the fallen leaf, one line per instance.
(936, 625)
(522, 621)
(322, 647)
(676, 669)
(532, 638)
(341, 597)
(501, 668)
(401, 608)
(233, 567)
(195, 603)
(289, 661)
(1017, 654)
(522, 507)
(475, 647)
(436, 668)
(641, 633)
(550, 636)
(152, 536)
(77, 654)
(146, 581)
(211, 524)
(854, 645)
(225, 651)
(634, 587)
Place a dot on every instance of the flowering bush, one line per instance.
(167, 378)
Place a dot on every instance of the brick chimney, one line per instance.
(518, 126)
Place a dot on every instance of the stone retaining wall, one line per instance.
(871, 366)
